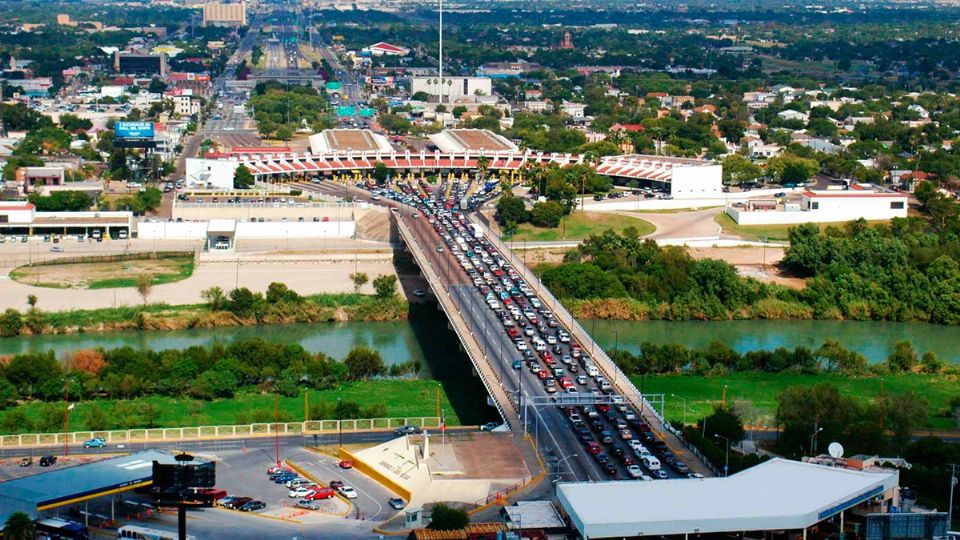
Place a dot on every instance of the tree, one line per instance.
(242, 178)
(510, 209)
(792, 169)
(144, 287)
(904, 412)
(32, 300)
(903, 358)
(19, 526)
(380, 172)
(445, 518)
(363, 362)
(97, 419)
(359, 280)
(11, 322)
(739, 170)
(215, 298)
(385, 286)
(279, 293)
(214, 383)
(546, 214)
(722, 422)
(156, 86)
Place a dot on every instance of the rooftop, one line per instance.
(345, 140)
(471, 140)
(63, 486)
(776, 495)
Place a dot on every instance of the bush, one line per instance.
(385, 286)
(546, 214)
(363, 363)
(445, 518)
(10, 323)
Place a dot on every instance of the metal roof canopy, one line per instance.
(776, 495)
(70, 485)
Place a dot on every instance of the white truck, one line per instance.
(476, 229)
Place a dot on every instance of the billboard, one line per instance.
(133, 130)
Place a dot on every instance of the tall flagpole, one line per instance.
(441, 52)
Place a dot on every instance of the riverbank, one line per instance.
(386, 398)
(317, 308)
(754, 394)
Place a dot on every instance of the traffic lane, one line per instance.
(372, 497)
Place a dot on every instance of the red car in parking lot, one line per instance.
(320, 493)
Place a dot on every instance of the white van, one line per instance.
(651, 463)
(592, 370)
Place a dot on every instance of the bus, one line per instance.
(135, 532)
(61, 529)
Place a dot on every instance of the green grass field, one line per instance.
(579, 225)
(402, 398)
(774, 233)
(183, 271)
(761, 390)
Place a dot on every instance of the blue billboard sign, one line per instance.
(133, 130)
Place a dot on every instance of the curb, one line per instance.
(264, 516)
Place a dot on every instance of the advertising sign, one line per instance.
(133, 130)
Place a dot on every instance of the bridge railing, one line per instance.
(144, 435)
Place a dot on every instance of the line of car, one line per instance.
(548, 351)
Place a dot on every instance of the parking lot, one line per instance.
(242, 472)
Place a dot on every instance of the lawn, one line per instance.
(402, 397)
(774, 233)
(761, 390)
(579, 225)
(106, 274)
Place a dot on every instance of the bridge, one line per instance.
(518, 395)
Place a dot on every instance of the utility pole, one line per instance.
(953, 484)
(440, 54)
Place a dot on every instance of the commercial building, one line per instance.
(220, 14)
(22, 218)
(778, 495)
(452, 87)
(685, 178)
(29, 178)
(40, 494)
(471, 140)
(140, 64)
(823, 206)
(387, 49)
(346, 140)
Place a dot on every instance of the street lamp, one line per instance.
(559, 461)
(684, 407)
(726, 465)
(813, 439)
(339, 426)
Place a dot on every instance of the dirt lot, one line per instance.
(755, 262)
(103, 274)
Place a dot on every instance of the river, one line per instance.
(872, 339)
(419, 340)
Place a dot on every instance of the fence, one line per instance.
(116, 257)
(215, 432)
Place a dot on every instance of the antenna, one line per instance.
(835, 450)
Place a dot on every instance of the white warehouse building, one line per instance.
(685, 178)
(824, 206)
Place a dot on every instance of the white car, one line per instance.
(348, 492)
(634, 471)
(299, 492)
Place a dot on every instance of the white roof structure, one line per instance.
(777, 495)
(471, 140)
(346, 140)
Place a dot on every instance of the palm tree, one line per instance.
(482, 163)
(19, 526)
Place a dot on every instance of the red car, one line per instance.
(513, 332)
(594, 448)
(320, 493)
(603, 407)
(345, 464)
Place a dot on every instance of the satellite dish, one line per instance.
(835, 449)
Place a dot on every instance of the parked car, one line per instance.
(490, 426)
(322, 493)
(234, 503)
(298, 492)
(397, 503)
(336, 484)
(253, 506)
(307, 504)
(345, 464)
(25, 462)
(47, 461)
(97, 442)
